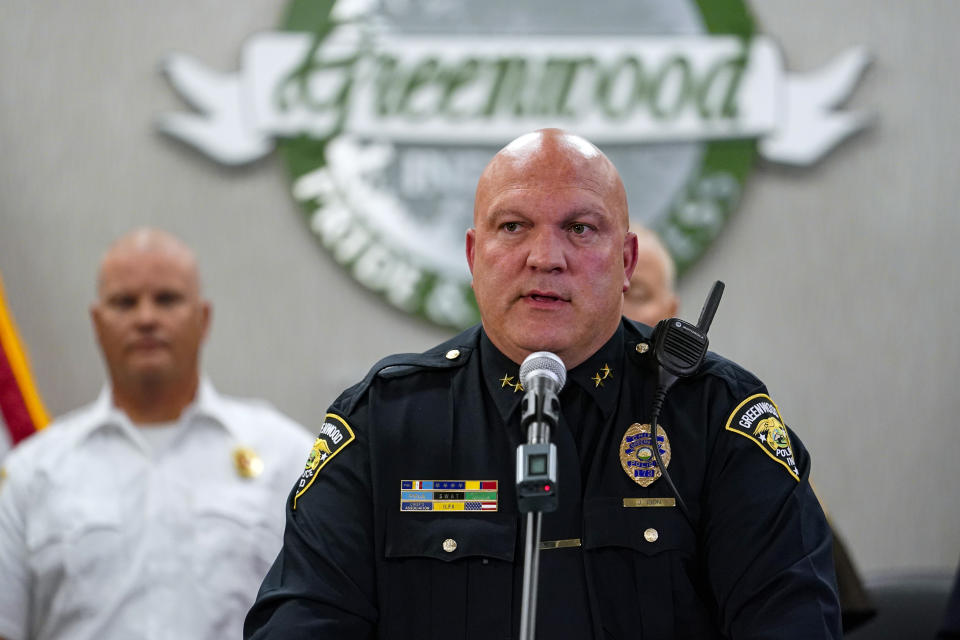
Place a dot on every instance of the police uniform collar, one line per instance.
(600, 374)
(501, 375)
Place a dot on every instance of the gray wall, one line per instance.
(841, 278)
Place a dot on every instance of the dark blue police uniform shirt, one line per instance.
(362, 558)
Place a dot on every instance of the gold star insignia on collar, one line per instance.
(507, 381)
(598, 379)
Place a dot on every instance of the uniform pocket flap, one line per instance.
(244, 506)
(649, 530)
(450, 538)
(70, 517)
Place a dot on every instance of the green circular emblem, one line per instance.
(405, 101)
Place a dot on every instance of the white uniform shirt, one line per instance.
(103, 537)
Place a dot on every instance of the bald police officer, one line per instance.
(405, 525)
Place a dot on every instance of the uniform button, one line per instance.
(453, 354)
(650, 535)
(449, 545)
(642, 347)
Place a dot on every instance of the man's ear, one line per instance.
(95, 319)
(206, 309)
(630, 252)
(471, 245)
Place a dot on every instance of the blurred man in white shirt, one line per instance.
(156, 511)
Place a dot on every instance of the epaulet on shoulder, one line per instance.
(713, 364)
(636, 334)
(729, 370)
(451, 354)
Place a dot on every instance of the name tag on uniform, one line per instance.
(649, 502)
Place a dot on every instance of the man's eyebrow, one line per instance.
(584, 212)
(499, 214)
(587, 214)
(117, 296)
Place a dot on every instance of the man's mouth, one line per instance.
(545, 297)
(147, 344)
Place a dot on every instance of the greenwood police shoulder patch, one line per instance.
(335, 434)
(758, 419)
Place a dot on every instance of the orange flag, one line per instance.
(21, 410)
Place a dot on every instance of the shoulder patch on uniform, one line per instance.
(335, 434)
(758, 419)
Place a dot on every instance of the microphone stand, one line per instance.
(536, 490)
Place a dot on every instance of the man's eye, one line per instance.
(578, 228)
(511, 227)
(167, 299)
(122, 302)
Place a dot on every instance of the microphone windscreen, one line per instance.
(540, 361)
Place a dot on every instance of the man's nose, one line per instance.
(546, 251)
(145, 313)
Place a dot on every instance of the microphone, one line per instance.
(542, 375)
(544, 366)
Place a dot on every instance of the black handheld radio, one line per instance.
(680, 348)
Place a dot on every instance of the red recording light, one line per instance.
(546, 487)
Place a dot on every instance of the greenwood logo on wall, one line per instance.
(386, 112)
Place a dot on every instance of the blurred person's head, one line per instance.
(150, 321)
(651, 296)
(551, 252)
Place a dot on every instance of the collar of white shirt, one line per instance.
(208, 406)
